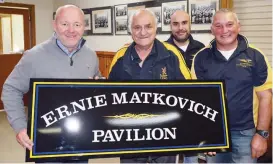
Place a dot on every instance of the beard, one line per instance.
(181, 40)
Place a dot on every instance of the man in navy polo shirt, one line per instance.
(181, 37)
(248, 79)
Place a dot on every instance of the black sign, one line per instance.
(78, 120)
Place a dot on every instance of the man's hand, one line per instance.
(23, 139)
(210, 153)
(258, 146)
(97, 77)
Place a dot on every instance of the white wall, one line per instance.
(43, 17)
(113, 43)
(256, 23)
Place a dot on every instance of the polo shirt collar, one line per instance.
(65, 50)
(134, 55)
(242, 46)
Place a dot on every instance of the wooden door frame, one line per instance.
(1, 42)
(31, 9)
(9, 61)
(25, 13)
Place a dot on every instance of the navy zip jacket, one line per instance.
(193, 47)
(246, 72)
(164, 62)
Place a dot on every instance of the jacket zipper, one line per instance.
(71, 61)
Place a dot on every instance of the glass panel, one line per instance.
(12, 27)
(6, 34)
(17, 33)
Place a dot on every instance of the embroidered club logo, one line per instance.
(244, 63)
(163, 74)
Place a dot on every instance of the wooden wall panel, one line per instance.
(256, 23)
(7, 63)
(105, 59)
(226, 4)
(1, 40)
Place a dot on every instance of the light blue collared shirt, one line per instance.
(69, 54)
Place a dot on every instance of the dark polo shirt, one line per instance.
(144, 71)
(246, 72)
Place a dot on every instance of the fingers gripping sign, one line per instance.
(23, 139)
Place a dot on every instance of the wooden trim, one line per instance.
(1, 37)
(32, 25)
(226, 4)
(12, 54)
(10, 11)
(31, 16)
(105, 53)
(105, 59)
(27, 34)
(9, 4)
(11, 33)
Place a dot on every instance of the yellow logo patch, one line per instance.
(244, 63)
(163, 74)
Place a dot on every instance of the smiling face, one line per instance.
(69, 26)
(143, 29)
(180, 26)
(225, 27)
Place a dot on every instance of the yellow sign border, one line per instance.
(125, 83)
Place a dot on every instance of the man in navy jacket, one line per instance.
(181, 37)
(149, 59)
(248, 79)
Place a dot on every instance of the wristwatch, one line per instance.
(263, 133)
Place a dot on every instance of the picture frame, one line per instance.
(88, 22)
(102, 20)
(168, 8)
(121, 18)
(154, 6)
(201, 12)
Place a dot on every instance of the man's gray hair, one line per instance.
(137, 12)
(66, 6)
(225, 10)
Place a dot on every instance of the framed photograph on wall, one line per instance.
(168, 8)
(121, 27)
(87, 21)
(201, 12)
(157, 11)
(102, 21)
(121, 16)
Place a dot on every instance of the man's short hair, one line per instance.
(225, 10)
(138, 11)
(66, 6)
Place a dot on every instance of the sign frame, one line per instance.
(32, 156)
